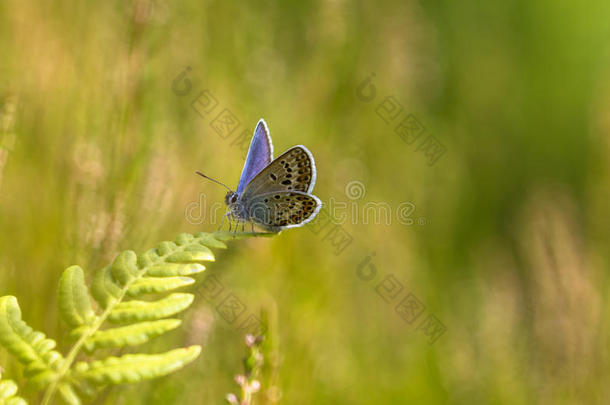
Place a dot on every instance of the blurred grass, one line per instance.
(97, 155)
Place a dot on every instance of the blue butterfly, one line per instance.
(273, 194)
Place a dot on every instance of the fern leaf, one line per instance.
(105, 289)
(137, 311)
(32, 348)
(131, 335)
(125, 267)
(175, 269)
(206, 239)
(74, 301)
(192, 255)
(159, 270)
(149, 285)
(133, 368)
(8, 393)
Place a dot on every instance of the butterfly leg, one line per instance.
(222, 221)
(235, 231)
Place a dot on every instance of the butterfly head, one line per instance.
(231, 198)
(236, 208)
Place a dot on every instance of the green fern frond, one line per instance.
(74, 302)
(137, 311)
(158, 271)
(154, 285)
(173, 269)
(131, 335)
(104, 289)
(8, 393)
(31, 348)
(135, 367)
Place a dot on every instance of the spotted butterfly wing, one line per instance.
(283, 209)
(294, 170)
(279, 196)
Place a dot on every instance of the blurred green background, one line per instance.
(508, 248)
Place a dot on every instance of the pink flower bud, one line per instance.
(250, 340)
(255, 385)
(232, 399)
(240, 379)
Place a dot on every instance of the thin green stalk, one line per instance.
(50, 392)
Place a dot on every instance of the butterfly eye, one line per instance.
(234, 198)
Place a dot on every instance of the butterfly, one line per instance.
(274, 194)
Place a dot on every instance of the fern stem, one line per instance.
(50, 392)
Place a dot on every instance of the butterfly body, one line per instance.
(275, 194)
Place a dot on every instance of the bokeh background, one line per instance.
(508, 248)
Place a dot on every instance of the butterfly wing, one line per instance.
(260, 154)
(283, 209)
(294, 170)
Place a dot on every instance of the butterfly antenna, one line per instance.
(215, 181)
